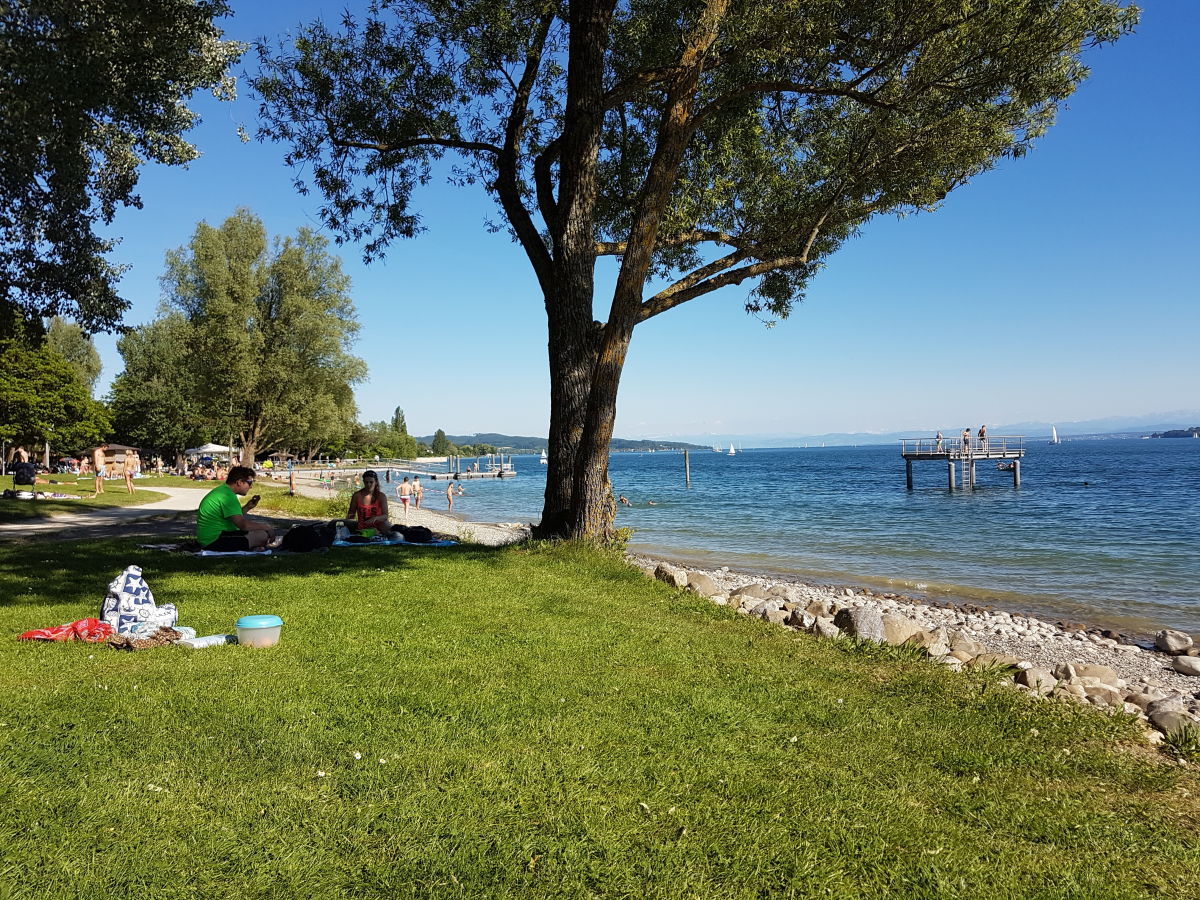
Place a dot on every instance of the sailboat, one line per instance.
(544, 462)
(1053, 435)
(731, 450)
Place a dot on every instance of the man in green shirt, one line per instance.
(221, 523)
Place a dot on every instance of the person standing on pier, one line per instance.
(939, 442)
(983, 438)
(966, 440)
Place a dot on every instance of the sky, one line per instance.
(1056, 288)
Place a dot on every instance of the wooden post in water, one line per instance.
(687, 469)
(950, 472)
(908, 472)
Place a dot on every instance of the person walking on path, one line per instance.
(418, 491)
(98, 464)
(221, 521)
(404, 492)
(128, 467)
(449, 495)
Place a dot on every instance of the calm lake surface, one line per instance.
(1122, 550)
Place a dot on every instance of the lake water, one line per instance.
(1122, 550)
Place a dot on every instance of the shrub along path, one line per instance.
(536, 721)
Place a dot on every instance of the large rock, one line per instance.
(963, 644)
(935, 643)
(820, 608)
(1173, 642)
(799, 618)
(702, 584)
(751, 590)
(1038, 680)
(1072, 671)
(1104, 696)
(864, 623)
(898, 629)
(672, 575)
(1141, 699)
(824, 627)
(1168, 720)
(775, 616)
(1186, 665)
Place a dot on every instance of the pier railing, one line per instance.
(956, 447)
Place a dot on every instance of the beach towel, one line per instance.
(129, 604)
(234, 553)
(395, 542)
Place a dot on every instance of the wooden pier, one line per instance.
(1006, 450)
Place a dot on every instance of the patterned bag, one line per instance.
(129, 606)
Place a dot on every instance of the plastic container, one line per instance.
(259, 631)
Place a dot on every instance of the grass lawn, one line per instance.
(536, 721)
(114, 495)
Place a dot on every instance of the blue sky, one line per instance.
(1055, 288)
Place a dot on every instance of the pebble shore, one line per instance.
(1159, 685)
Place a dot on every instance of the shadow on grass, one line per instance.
(67, 573)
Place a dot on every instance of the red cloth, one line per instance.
(91, 630)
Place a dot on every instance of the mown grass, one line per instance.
(538, 721)
(81, 487)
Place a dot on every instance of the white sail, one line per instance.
(731, 450)
(544, 460)
(1053, 435)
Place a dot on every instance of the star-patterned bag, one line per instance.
(129, 606)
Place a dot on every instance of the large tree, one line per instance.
(701, 144)
(271, 328)
(89, 91)
(43, 400)
(74, 345)
(154, 400)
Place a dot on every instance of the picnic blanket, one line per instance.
(383, 542)
(234, 553)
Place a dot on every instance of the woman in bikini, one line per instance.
(369, 507)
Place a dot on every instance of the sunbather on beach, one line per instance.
(369, 506)
(221, 521)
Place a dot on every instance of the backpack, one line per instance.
(23, 473)
(415, 534)
(306, 538)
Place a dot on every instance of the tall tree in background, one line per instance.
(699, 145)
(89, 91)
(43, 400)
(154, 401)
(441, 445)
(72, 344)
(271, 328)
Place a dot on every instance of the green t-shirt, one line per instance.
(212, 518)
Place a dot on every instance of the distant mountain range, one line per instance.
(516, 443)
(1110, 427)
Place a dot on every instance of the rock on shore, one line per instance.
(1160, 686)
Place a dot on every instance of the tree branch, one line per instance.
(426, 141)
(616, 248)
(677, 294)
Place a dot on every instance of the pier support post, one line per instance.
(972, 474)
(1016, 473)
(687, 469)
(950, 472)
(908, 472)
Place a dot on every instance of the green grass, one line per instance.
(539, 721)
(114, 495)
(280, 501)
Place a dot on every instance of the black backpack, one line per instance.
(306, 538)
(415, 534)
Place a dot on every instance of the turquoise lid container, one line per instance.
(259, 622)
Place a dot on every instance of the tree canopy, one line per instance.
(89, 91)
(699, 145)
(72, 344)
(43, 400)
(253, 343)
